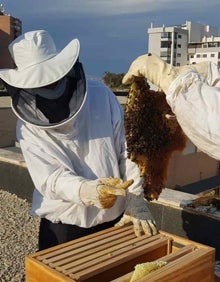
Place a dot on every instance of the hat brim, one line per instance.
(46, 72)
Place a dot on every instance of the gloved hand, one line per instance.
(158, 72)
(103, 192)
(138, 213)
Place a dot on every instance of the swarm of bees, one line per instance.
(152, 134)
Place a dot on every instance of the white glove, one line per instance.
(158, 72)
(103, 192)
(138, 213)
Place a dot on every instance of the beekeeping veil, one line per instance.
(38, 66)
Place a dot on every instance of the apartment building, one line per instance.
(169, 43)
(10, 28)
(184, 44)
(203, 43)
(207, 49)
(180, 45)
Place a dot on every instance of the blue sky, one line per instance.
(112, 32)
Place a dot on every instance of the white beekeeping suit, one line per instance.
(71, 132)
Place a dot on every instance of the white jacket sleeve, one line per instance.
(213, 75)
(195, 102)
(51, 178)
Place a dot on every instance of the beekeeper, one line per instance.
(72, 137)
(193, 93)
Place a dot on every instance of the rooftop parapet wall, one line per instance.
(7, 123)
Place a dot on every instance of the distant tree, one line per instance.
(114, 80)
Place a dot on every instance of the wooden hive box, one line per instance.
(112, 254)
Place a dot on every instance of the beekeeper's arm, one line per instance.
(162, 74)
(193, 93)
(54, 180)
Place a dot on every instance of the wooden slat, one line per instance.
(75, 254)
(171, 257)
(88, 252)
(195, 264)
(62, 248)
(183, 241)
(83, 247)
(92, 268)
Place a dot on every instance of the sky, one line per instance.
(112, 33)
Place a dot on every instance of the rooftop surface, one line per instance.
(5, 102)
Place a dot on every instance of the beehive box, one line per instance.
(112, 254)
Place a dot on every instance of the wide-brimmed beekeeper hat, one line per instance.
(38, 63)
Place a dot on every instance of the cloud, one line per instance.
(117, 7)
(105, 7)
(112, 32)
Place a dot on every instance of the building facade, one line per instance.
(207, 49)
(185, 44)
(10, 28)
(169, 43)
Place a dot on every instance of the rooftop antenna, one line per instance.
(2, 9)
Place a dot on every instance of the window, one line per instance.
(179, 45)
(178, 55)
(165, 35)
(165, 44)
(165, 54)
(198, 56)
(213, 55)
(204, 55)
(212, 44)
(179, 36)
